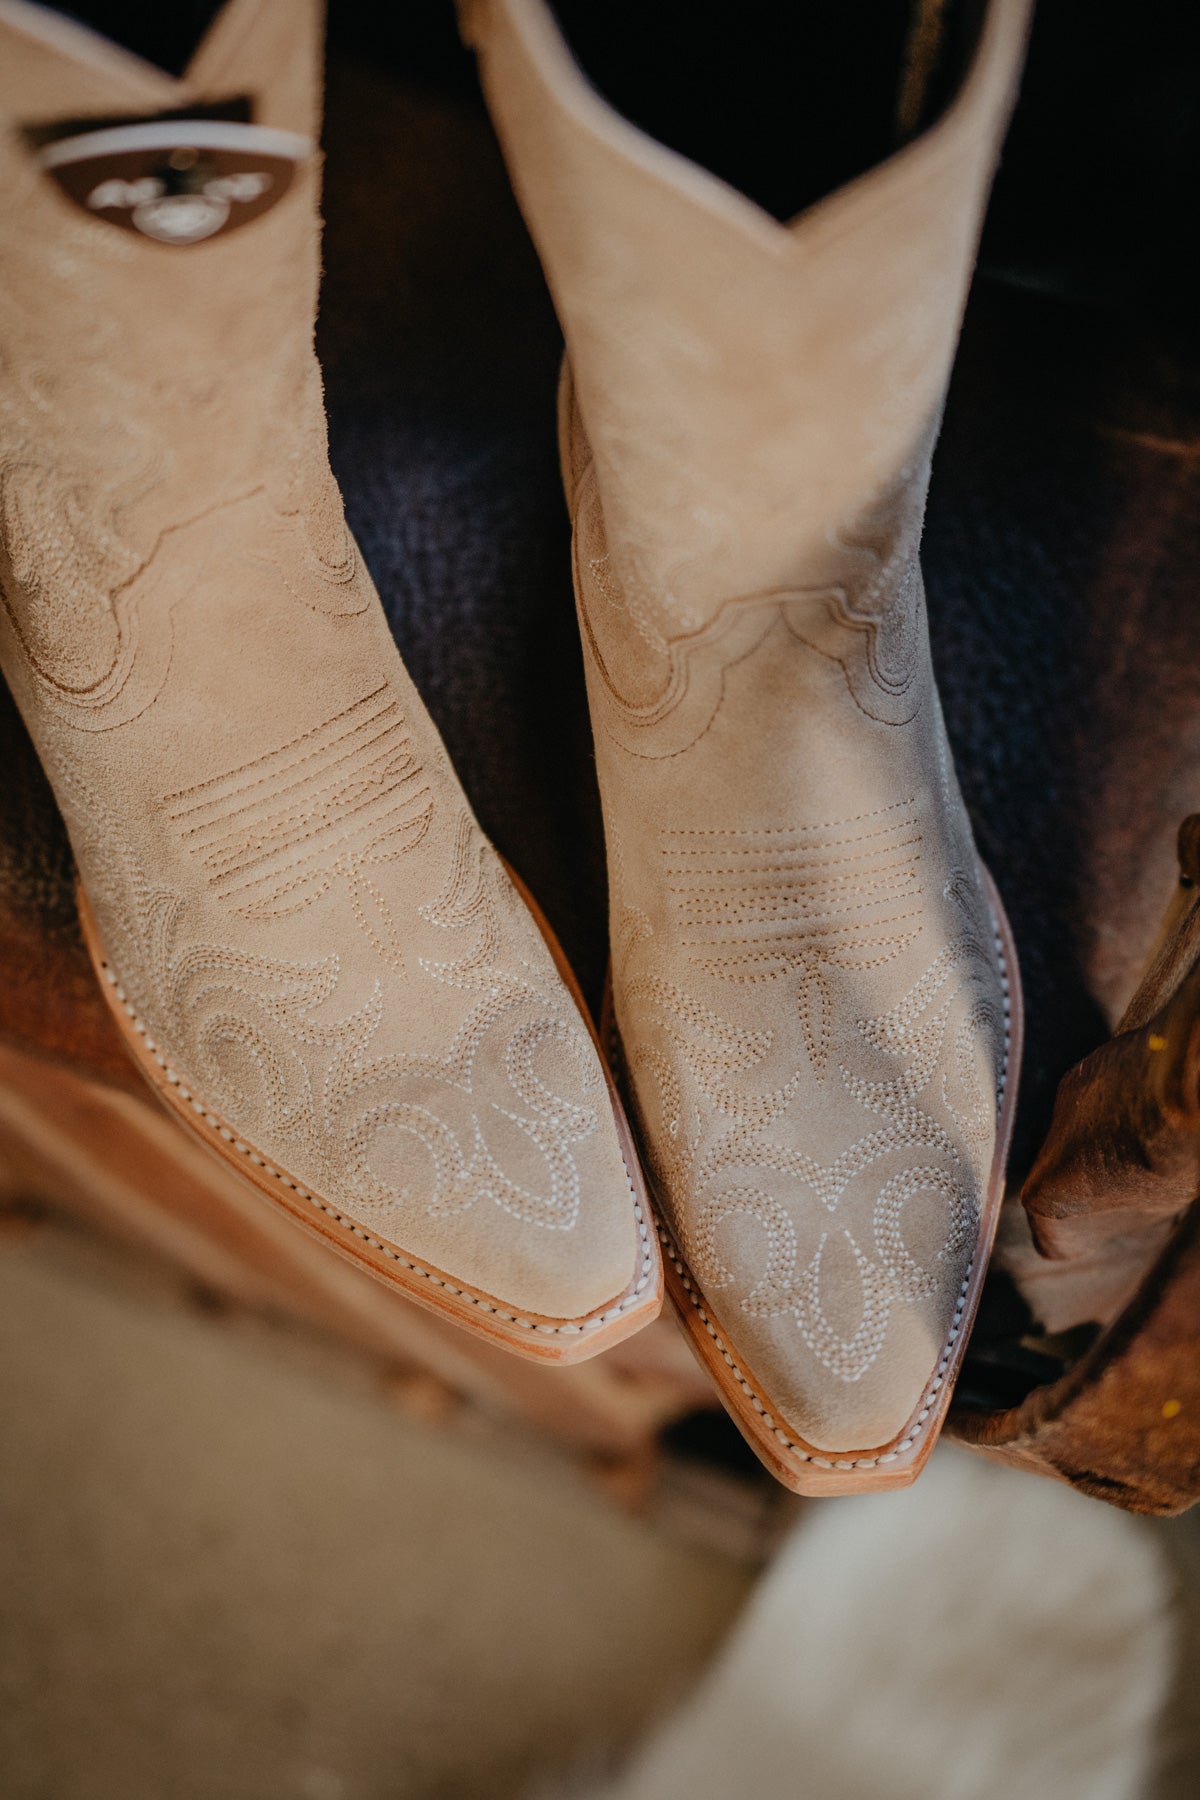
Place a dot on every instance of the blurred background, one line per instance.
(262, 1535)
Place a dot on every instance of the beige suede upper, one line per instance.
(806, 973)
(285, 874)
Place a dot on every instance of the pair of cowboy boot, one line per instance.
(310, 948)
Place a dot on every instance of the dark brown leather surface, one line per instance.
(1124, 1423)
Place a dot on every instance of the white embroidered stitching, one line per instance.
(914, 1430)
(565, 1329)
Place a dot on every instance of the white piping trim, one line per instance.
(176, 134)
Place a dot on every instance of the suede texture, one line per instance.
(285, 874)
(806, 974)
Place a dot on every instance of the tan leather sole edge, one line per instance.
(532, 1335)
(800, 1466)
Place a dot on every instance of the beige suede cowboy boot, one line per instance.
(312, 951)
(812, 979)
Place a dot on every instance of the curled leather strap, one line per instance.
(1118, 1172)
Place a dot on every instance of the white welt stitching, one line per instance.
(565, 1329)
(821, 1462)
(918, 1425)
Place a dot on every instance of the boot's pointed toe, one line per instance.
(311, 949)
(813, 989)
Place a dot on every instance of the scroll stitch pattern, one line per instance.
(259, 1038)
